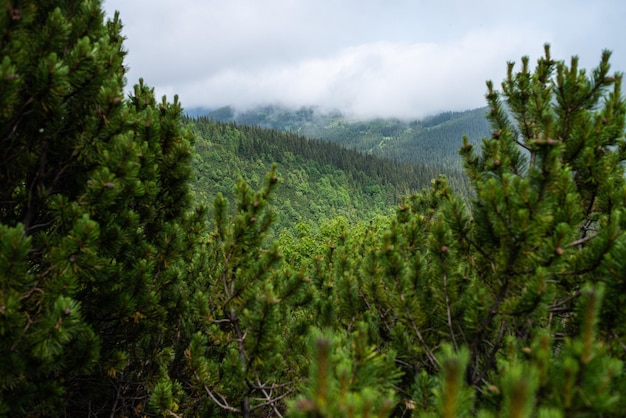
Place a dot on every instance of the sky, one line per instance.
(366, 58)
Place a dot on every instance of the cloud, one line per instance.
(406, 58)
(375, 79)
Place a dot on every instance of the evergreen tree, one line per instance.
(510, 303)
(550, 191)
(515, 283)
(115, 299)
(246, 359)
(96, 232)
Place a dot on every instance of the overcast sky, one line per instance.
(402, 58)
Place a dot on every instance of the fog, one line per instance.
(366, 58)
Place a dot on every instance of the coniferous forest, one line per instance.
(155, 264)
(433, 140)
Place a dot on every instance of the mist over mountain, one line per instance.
(433, 140)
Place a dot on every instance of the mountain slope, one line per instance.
(433, 141)
(320, 179)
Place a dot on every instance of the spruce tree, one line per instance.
(96, 232)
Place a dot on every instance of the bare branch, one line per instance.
(223, 404)
(172, 413)
(581, 241)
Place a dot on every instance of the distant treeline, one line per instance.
(433, 141)
(320, 177)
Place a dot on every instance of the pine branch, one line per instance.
(580, 242)
(491, 358)
(448, 313)
(269, 400)
(221, 402)
(484, 325)
(170, 412)
(429, 353)
(114, 411)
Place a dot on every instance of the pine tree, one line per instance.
(540, 244)
(348, 378)
(517, 290)
(245, 359)
(96, 227)
(550, 196)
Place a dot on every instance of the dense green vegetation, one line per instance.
(119, 297)
(433, 141)
(319, 179)
(97, 235)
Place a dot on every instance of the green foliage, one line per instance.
(432, 141)
(454, 399)
(509, 288)
(321, 180)
(116, 299)
(97, 233)
(347, 378)
(242, 358)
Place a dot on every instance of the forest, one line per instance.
(319, 179)
(154, 263)
(434, 140)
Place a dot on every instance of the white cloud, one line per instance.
(369, 57)
(374, 79)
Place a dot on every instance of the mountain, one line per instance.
(433, 140)
(319, 179)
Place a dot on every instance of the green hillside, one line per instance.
(140, 277)
(433, 140)
(319, 179)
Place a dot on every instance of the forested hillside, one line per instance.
(319, 179)
(140, 278)
(433, 140)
